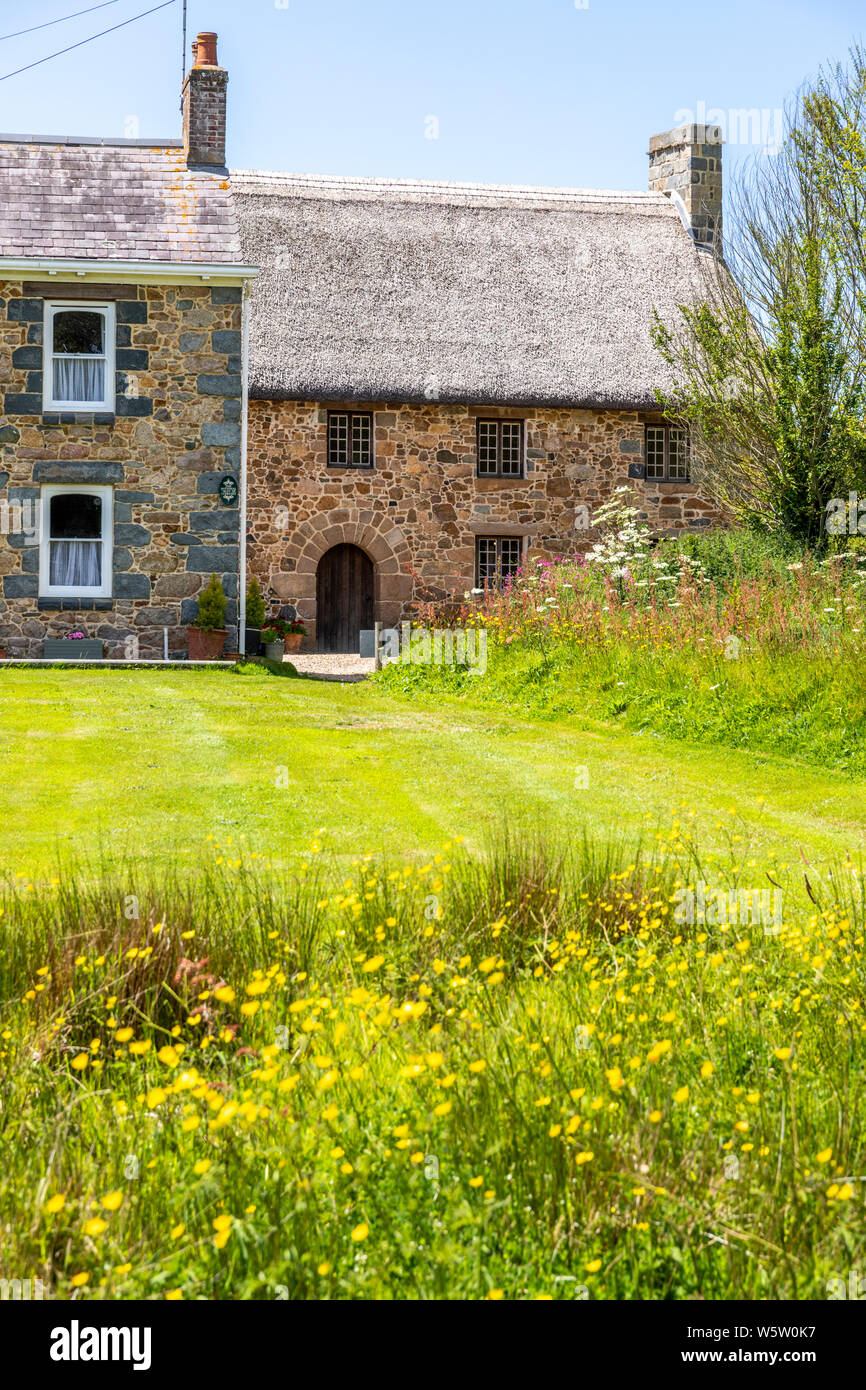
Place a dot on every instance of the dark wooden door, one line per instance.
(344, 599)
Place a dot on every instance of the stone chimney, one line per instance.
(204, 106)
(686, 164)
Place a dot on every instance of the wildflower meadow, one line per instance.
(520, 1073)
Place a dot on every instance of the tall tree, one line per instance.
(771, 364)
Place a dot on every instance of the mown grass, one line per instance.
(129, 765)
(512, 1074)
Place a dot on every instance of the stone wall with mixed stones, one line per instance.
(419, 510)
(174, 435)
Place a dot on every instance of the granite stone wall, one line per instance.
(418, 511)
(173, 437)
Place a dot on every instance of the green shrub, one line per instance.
(211, 607)
(255, 605)
(741, 552)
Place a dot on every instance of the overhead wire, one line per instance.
(62, 20)
(59, 54)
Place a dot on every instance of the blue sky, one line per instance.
(515, 91)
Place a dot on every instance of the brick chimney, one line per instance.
(204, 106)
(686, 164)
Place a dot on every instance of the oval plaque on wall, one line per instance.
(228, 490)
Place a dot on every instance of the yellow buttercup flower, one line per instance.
(360, 1232)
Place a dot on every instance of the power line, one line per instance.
(112, 30)
(104, 6)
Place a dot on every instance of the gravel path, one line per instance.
(333, 666)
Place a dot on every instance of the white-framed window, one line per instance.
(75, 541)
(79, 357)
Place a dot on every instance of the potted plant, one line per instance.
(273, 644)
(293, 635)
(207, 635)
(75, 646)
(255, 618)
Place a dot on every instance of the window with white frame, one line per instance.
(79, 357)
(75, 542)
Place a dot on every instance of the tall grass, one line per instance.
(698, 639)
(515, 1074)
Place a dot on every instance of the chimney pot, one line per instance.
(206, 51)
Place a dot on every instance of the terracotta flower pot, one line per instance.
(206, 646)
(293, 642)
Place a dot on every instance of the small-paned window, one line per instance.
(497, 560)
(500, 448)
(667, 453)
(350, 440)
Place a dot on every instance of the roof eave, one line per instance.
(402, 396)
(12, 267)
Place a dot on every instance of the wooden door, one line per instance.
(344, 599)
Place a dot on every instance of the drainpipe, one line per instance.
(245, 402)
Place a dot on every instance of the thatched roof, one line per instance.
(112, 200)
(375, 289)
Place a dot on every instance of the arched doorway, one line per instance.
(344, 598)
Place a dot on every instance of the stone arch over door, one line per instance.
(380, 539)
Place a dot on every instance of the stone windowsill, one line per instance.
(75, 605)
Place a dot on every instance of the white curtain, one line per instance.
(79, 379)
(76, 564)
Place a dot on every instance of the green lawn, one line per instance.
(148, 764)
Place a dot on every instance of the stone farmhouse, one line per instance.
(364, 392)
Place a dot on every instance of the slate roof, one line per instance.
(125, 200)
(385, 290)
